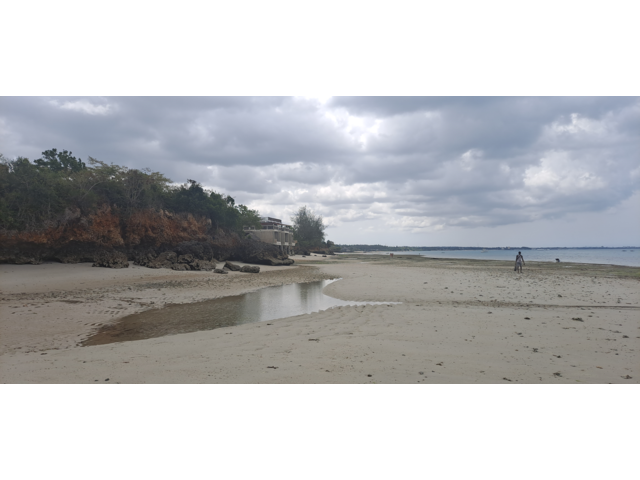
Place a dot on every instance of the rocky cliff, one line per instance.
(153, 238)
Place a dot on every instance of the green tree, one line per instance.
(59, 161)
(308, 228)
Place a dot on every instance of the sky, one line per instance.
(418, 171)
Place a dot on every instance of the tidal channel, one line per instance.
(266, 304)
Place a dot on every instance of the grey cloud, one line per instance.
(459, 161)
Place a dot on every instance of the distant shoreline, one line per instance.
(383, 248)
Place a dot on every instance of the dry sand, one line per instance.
(460, 321)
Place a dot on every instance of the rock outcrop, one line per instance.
(154, 239)
(111, 259)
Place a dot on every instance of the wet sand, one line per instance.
(460, 321)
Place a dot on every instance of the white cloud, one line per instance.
(558, 171)
(84, 106)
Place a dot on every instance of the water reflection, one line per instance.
(262, 305)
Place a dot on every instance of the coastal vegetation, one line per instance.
(308, 228)
(38, 194)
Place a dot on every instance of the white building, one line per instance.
(273, 231)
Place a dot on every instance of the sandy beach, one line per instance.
(458, 322)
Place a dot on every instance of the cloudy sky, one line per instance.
(472, 171)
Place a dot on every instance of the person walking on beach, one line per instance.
(519, 262)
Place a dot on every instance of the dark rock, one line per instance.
(277, 261)
(202, 265)
(250, 269)
(26, 260)
(180, 267)
(110, 259)
(77, 252)
(167, 257)
(198, 250)
(232, 266)
(219, 270)
(188, 258)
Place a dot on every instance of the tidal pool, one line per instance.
(268, 303)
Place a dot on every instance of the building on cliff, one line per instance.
(274, 232)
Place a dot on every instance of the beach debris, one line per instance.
(420, 373)
(535, 350)
(272, 367)
(106, 379)
(577, 319)
(627, 377)
(507, 379)
(369, 375)
(599, 368)
(439, 363)
(560, 295)
(557, 374)
(625, 336)
(527, 318)
(314, 339)
(489, 312)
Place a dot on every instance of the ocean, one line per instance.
(627, 257)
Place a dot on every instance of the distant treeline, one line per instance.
(33, 194)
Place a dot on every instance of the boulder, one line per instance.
(188, 258)
(232, 266)
(110, 259)
(202, 265)
(277, 261)
(219, 270)
(250, 269)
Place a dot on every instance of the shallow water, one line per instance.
(628, 257)
(262, 305)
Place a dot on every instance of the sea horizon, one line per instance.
(624, 256)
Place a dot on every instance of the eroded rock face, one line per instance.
(154, 239)
(170, 259)
(111, 259)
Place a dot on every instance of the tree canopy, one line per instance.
(32, 194)
(308, 228)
